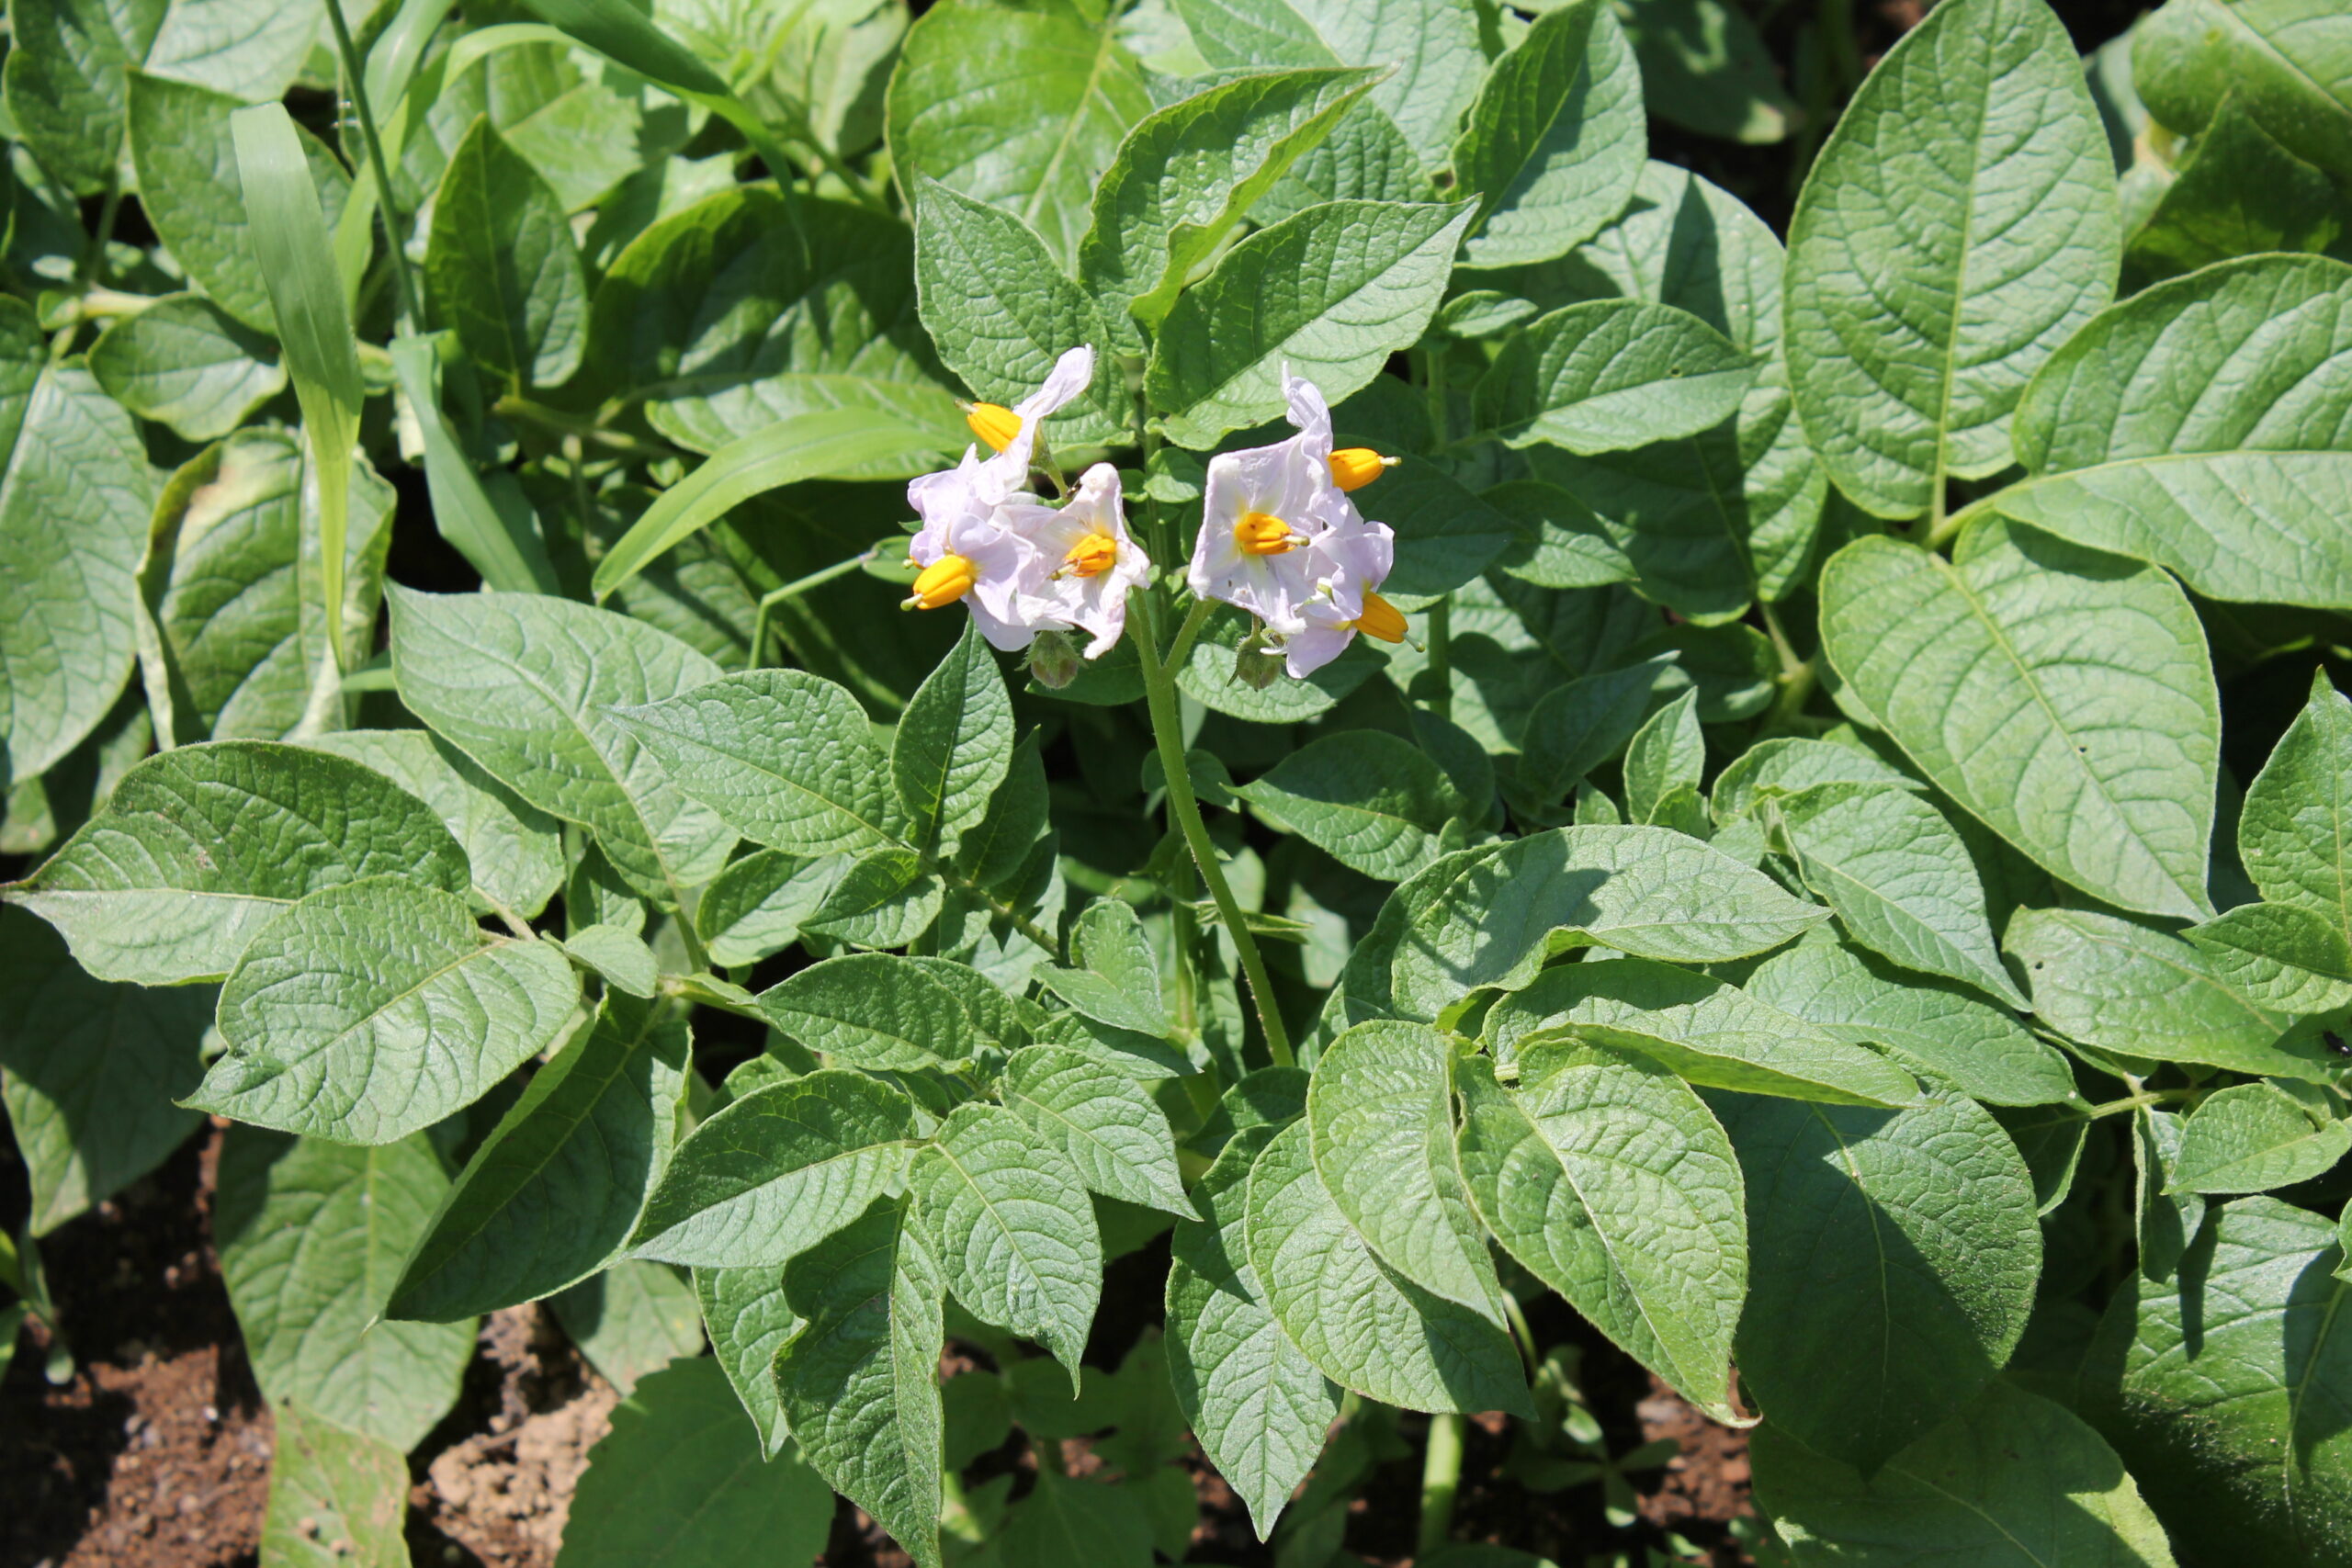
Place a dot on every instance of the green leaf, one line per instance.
(1924, 279)
(1185, 174)
(1891, 1266)
(524, 685)
(2223, 491)
(1109, 1129)
(784, 757)
(682, 1478)
(1208, 678)
(745, 311)
(1555, 140)
(1492, 917)
(1610, 375)
(1613, 1183)
(2163, 1221)
(74, 498)
(754, 908)
(631, 1321)
(885, 899)
(1859, 998)
(1790, 765)
(1371, 800)
(200, 848)
(1117, 980)
(502, 267)
(337, 1499)
(2289, 60)
(626, 35)
(1577, 727)
(1078, 1524)
(1667, 752)
(2001, 673)
(858, 1382)
(778, 1171)
(2253, 1137)
(2011, 1480)
(618, 955)
(2279, 957)
(311, 1235)
(2296, 825)
(376, 1007)
(1259, 1406)
(555, 1189)
(1705, 68)
(1330, 294)
(185, 363)
(1708, 1032)
(89, 1072)
(2120, 986)
(1900, 879)
(288, 228)
(2223, 1389)
(191, 192)
(498, 536)
(1380, 1119)
(2235, 192)
(1001, 311)
(1366, 1327)
(1015, 106)
(954, 746)
(748, 1319)
(872, 1009)
(1013, 1232)
(1433, 44)
(1445, 534)
(514, 849)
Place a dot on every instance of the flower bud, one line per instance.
(1053, 659)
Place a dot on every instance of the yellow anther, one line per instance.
(1090, 556)
(1354, 468)
(943, 582)
(1262, 534)
(1380, 619)
(994, 423)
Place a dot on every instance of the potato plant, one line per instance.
(790, 677)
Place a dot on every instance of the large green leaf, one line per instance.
(1373, 801)
(1259, 1406)
(1705, 1030)
(2014, 1481)
(185, 363)
(89, 1072)
(1366, 1327)
(1116, 978)
(1328, 295)
(524, 685)
(858, 1382)
(1013, 1232)
(1610, 375)
(2295, 829)
(1493, 916)
(311, 1236)
(1434, 46)
(1893, 1263)
(1613, 1184)
(631, 1321)
(74, 495)
(1380, 1125)
(2254, 1137)
(775, 1172)
(1705, 67)
(501, 265)
(2289, 62)
(954, 746)
(514, 849)
(743, 311)
(748, 1319)
(2120, 986)
(1856, 997)
(1959, 224)
(1106, 1125)
(1020, 106)
(337, 1499)
(2287, 959)
(2226, 1391)
(375, 1008)
(873, 1010)
(1899, 877)
(200, 848)
(682, 1478)
(1557, 140)
(1186, 174)
(2229, 489)
(2063, 697)
(554, 1190)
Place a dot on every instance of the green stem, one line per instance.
(1439, 672)
(1441, 1480)
(557, 421)
(394, 239)
(1159, 697)
(91, 266)
(1524, 1334)
(798, 585)
(2134, 1101)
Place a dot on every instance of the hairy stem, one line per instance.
(1160, 695)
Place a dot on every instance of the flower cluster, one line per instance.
(1279, 536)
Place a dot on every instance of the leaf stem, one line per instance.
(1441, 1481)
(1159, 697)
(798, 585)
(354, 85)
(557, 421)
(2135, 1101)
(91, 265)
(1439, 670)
